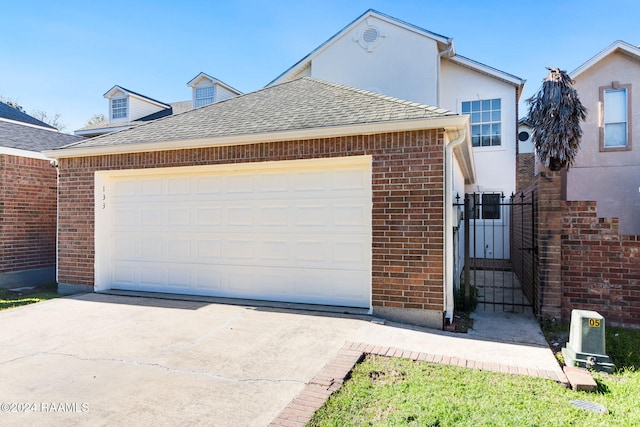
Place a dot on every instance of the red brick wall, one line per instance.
(408, 216)
(27, 214)
(582, 262)
(600, 268)
(525, 170)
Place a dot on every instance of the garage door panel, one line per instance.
(273, 183)
(208, 279)
(209, 216)
(148, 187)
(349, 215)
(287, 233)
(151, 276)
(239, 215)
(179, 276)
(239, 184)
(178, 186)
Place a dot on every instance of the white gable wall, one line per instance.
(495, 166)
(139, 108)
(223, 93)
(118, 94)
(402, 64)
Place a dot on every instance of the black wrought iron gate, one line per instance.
(497, 251)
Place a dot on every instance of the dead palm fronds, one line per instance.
(555, 113)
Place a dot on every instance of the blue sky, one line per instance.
(61, 57)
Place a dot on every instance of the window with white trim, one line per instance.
(204, 96)
(118, 108)
(615, 117)
(486, 121)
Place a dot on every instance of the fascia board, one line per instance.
(617, 45)
(31, 125)
(149, 100)
(23, 153)
(485, 69)
(454, 121)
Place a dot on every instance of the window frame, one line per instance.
(481, 123)
(123, 111)
(602, 91)
(477, 206)
(197, 100)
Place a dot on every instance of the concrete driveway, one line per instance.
(118, 360)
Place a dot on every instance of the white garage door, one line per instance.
(296, 231)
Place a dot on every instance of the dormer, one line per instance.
(207, 90)
(126, 106)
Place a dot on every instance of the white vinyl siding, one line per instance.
(223, 93)
(141, 108)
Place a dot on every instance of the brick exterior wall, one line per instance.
(525, 170)
(27, 214)
(600, 267)
(408, 215)
(582, 262)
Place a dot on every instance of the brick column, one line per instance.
(549, 243)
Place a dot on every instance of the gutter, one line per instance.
(449, 297)
(80, 149)
(441, 55)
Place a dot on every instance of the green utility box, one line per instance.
(586, 346)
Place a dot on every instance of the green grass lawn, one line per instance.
(389, 392)
(10, 299)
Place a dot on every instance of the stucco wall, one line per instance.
(392, 67)
(495, 166)
(610, 178)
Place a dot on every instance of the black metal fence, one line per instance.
(498, 254)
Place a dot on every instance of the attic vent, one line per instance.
(370, 35)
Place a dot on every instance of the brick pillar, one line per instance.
(549, 243)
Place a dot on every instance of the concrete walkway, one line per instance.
(121, 360)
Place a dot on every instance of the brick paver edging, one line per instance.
(300, 410)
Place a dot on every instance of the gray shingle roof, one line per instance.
(13, 135)
(11, 113)
(301, 104)
(176, 108)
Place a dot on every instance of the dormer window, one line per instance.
(119, 108)
(204, 96)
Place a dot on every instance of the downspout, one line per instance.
(448, 223)
(440, 56)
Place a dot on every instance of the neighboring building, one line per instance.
(526, 160)
(306, 191)
(385, 55)
(128, 109)
(27, 198)
(607, 167)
